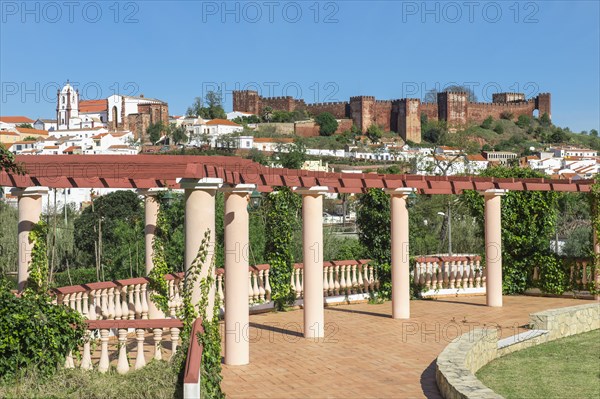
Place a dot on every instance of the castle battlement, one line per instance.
(402, 115)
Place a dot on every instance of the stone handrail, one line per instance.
(129, 299)
(451, 272)
(191, 376)
(122, 327)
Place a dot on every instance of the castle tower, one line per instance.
(362, 111)
(409, 119)
(67, 106)
(452, 108)
(542, 104)
(246, 101)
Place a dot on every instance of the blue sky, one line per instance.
(320, 51)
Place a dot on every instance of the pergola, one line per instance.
(202, 176)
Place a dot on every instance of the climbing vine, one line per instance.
(38, 266)
(282, 220)
(158, 285)
(190, 311)
(594, 197)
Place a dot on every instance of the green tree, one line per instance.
(499, 128)
(25, 126)
(291, 156)
(487, 122)
(177, 133)
(594, 133)
(374, 133)
(213, 108)
(528, 223)
(327, 124)
(155, 131)
(7, 161)
(96, 230)
(545, 120)
(559, 136)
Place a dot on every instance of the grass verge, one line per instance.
(157, 381)
(562, 369)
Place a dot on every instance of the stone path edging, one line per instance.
(457, 363)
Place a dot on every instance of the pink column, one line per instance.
(199, 218)
(493, 246)
(312, 246)
(237, 321)
(400, 253)
(151, 207)
(30, 209)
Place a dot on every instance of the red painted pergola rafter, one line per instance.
(151, 171)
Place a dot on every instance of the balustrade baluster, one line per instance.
(292, 283)
(332, 281)
(85, 304)
(343, 280)
(158, 343)
(111, 303)
(124, 304)
(220, 288)
(354, 280)
(123, 362)
(471, 270)
(261, 285)
(372, 284)
(250, 289)
(361, 282)
(69, 363)
(426, 274)
(483, 274)
(337, 280)
(78, 302)
(267, 286)
(174, 340)
(138, 302)
(144, 295)
(118, 309)
(104, 361)
(255, 286)
(298, 284)
(86, 356)
(92, 312)
(584, 276)
(325, 282)
(131, 302)
(140, 360)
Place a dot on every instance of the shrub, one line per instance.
(34, 333)
(327, 124)
(523, 121)
(487, 122)
(507, 115)
(499, 128)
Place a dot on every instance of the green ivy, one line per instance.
(38, 266)
(282, 220)
(159, 288)
(528, 222)
(34, 333)
(594, 197)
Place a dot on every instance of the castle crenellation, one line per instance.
(403, 115)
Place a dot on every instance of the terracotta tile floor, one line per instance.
(365, 353)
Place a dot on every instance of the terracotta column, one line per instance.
(151, 207)
(312, 250)
(199, 218)
(237, 230)
(493, 246)
(400, 253)
(30, 209)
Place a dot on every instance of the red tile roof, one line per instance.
(15, 119)
(8, 133)
(215, 122)
(71, 149)
(86, 106)
(25, 130)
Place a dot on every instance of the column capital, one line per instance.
(206, 183)
(493, 192)
(150, 192)
(314, 190)
(28, 191)
(238, 188)
(402, 191)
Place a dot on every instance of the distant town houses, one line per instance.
(118, 125)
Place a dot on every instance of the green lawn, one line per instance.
(562, 369)
(156, 380)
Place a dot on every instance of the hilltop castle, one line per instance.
(404, 115)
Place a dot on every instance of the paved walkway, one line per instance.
(365, 353)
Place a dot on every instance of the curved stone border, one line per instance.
(457, 363)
